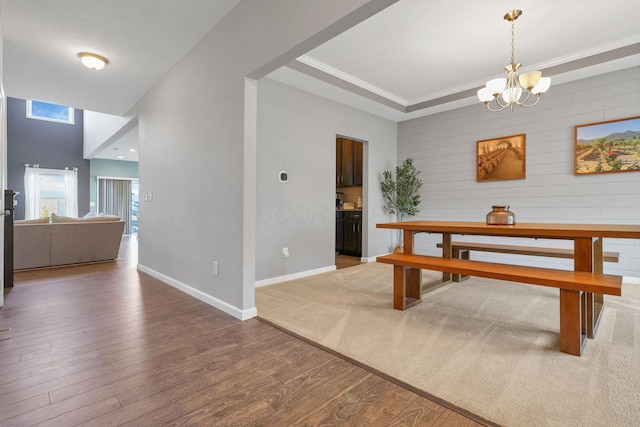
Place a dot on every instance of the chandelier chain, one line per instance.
(513, 41)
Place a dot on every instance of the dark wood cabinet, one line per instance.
(348, 162)
(349, 232)
(339, 232)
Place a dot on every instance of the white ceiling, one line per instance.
(419, 57)
(142, 40)
(414, 58)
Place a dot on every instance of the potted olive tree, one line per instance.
(400, 193)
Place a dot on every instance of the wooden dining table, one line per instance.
(587, 246)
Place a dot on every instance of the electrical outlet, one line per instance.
(285, 252)
(216, 268)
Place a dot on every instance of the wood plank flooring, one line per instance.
(345, 261)
(105, 345)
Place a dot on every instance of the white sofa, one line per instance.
(63, 241)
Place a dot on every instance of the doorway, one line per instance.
(349, 201)
(119, 196)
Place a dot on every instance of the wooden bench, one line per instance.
(461, 250)
(574, 287)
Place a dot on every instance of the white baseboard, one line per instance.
(214, 302)
(631, 280)
(293, 276)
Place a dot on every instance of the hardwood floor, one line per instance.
(345, 261)
(103, 344)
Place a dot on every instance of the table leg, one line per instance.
(408, 241)
(595, 302)
(407, 282)
(446, 253)
(574, 330)
(455, 254)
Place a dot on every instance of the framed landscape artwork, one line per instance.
(606, 147)
(501, 158)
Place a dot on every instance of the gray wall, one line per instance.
(111, 169)
(297, 133)
(444, 149)
(49, 144)
(197, 145)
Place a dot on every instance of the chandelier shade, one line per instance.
(529, 80)
(542, 86)
(501, 93)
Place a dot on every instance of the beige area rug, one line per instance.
(489, 347)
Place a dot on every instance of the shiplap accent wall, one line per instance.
(443, 147)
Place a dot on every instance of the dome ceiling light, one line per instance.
(93, 61)
(499, 94)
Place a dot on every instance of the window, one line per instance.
(49, 191)
(51, 112)
(134, 206)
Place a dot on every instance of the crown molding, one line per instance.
(307, 60)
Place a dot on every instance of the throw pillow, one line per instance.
(32, 221)
(100, 217)
(104, 217)
(58, 218)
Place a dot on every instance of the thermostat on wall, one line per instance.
(283, 176)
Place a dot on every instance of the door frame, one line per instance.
(365, 188)
(98, 178)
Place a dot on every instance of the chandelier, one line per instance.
(523, 90)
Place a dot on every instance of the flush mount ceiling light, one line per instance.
(499, 94)
(93, 61)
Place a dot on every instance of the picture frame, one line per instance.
(502, 158)
(607, 147)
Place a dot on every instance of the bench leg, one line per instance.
(407, 287)
(572, 323)
(459, 254)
